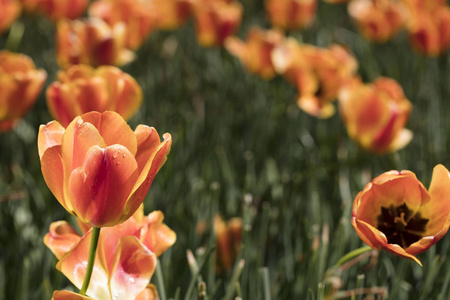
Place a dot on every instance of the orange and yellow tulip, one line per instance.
(56, 9)
(138, 17)
(126, 256)
(9, 12)
(215, 20)
(396, 213)
(91, 42)
(375, 114)
(171, 14)
(318, 73)
(229, 240)
(256, 52)
(378, 20)
(81, 89)
(291, 14)
(98, 168)
(20, 85)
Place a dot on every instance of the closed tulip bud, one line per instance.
(229, 240)
(215, 20)
(378, 20)
(171, 14)
(256, 52)
(91, 42)
(396, 213)
(81, 89)
(20, 85)
(126, 254)
(138, 17)
(9, 12)
(98, 168)
(291, 14)
(375, 115)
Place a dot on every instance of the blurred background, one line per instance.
(241, 148)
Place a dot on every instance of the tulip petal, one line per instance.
(74, 265)
(150, 293)
(155, 235)
(67, 295)
(61, 238)
(421, 245)
(369, 234)
(148, 142)
(53, 172)
(438, 209)
(133, 268)
(113, 128)
(397, 250)
(49, 135)
(402, 139)
(102, 185)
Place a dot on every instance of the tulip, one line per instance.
(378, 20)
(318, 73)
(56, 9)
(255, 53)
(215, 20)
(126, 256)
(91, 41)
(82, 89)
(67, 295)
(375, 115)
(98, 168)
(171, 14)
(291, 14)
(396, 213)
(138, 17)
(9, 12)
(229, 240)
(20, 85)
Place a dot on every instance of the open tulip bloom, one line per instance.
(395, 212)
(98, 168)
(126, 256)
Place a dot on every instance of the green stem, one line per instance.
(352, 254)
(92, 251)
(15, 36)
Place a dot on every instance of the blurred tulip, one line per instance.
(291, 14)
(318, 73)
(82, 89)
(20, 85)
(56, 9)
(375, 115)
(171, 14)
(336, 1)
(92, 42)
(215, 20)
(98, 168)
(395, 212)
(67, 295)
(126, 255)
(255, 53)
(138, 17)
(378, 20)
(229, 240)
(9, 12)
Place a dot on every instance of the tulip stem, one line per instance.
(15, 36)
(92, 251)
(352, 254)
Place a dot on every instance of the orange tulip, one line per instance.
(255, 53)
(375, 115)
(126, 255)
(291, 14)
(57, 9)
(215, 20)
(229, 240)
(20, 85)
(67, 295)
(9, 12)
(171, 14)
(395, 212)
(138, 16)
(82, 89)
(318, 73)
(91, 41)
(98, 168)
(378, 20)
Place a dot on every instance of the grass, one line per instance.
(241, 147)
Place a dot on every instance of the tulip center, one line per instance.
(400, 225)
